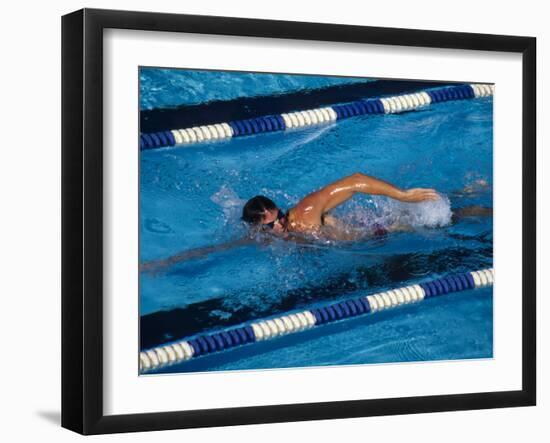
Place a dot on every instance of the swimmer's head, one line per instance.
(262, 212)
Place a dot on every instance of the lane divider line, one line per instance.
(312, 117)
(299, 321)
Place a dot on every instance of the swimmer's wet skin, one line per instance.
(309, 215)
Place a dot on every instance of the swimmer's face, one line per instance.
(273, 220)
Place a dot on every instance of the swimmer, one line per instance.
(311, 216)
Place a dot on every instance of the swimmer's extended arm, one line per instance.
(158, 265)
(310, 209)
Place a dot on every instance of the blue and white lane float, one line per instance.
(295, 322)
(311, 117)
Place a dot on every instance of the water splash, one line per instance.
(383, 211)
(229, 202)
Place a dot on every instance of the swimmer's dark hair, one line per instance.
(253, 210)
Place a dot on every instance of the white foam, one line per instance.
(430, 214)
(383, 211)
(230, 203)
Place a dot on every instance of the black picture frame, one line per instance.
(82, 218)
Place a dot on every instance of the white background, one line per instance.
(30, 231)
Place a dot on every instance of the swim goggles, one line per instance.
(271, 225)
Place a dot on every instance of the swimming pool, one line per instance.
(192, 197)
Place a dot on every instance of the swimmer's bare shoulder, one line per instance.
(307, 214)
(300, 218)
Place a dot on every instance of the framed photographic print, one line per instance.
(270, 221)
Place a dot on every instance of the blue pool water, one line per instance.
(192, 197)
(164, 88)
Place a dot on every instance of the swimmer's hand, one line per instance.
(415, 195)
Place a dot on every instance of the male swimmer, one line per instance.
(311, 216)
